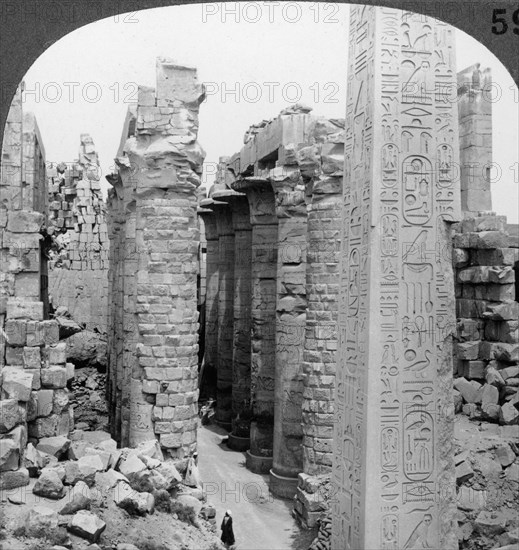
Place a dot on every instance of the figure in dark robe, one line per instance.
(227, 532)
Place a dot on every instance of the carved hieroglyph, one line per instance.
(393, 456)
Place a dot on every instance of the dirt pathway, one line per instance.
(260, 520)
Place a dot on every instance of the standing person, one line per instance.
(227, 532)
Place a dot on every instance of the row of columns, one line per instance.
(269, 375)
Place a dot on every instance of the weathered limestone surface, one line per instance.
(224, 227)
(78, 269)
(241, 360)
(475, 130)
(263, 314)
(153, 350)
(33, 394)
(487, 350)
(322, 289)
(211, 290)
(393, 443)
(290, 327)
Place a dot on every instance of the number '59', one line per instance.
(501, 25)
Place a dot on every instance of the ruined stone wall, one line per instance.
(487, 352)
(154, 236)
(34, 398)
(78, 266)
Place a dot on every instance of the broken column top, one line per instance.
(178, 82)
(474, 78)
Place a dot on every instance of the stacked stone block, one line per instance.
(34, 374)
(322, 166)
(153, 347)
(79, 256)
(487, 351)
(291, 211)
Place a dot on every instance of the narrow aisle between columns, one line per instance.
(260, 520)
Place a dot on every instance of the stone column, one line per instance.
(290, 327)
(263, 316)
(223, 216)
(211, 295)
(322, 291)
(239, 439)
(162, 165)
(475, 131)
(393, 466)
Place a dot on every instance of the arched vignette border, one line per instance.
(25, 33)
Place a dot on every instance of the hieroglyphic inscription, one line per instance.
(400, 188)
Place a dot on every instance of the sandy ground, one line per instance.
(260, 520)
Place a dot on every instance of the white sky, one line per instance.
(300, 49)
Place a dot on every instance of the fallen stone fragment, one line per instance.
(49, 485)
(126, 546)
(208, 511)
(104, 456)
(109, 479)
(16, 499)
(130, 465)
(40, 521)
(96, 437)
(170, 473)
(86, 525)
(9, 455)
(12, 480)
(11, 414)
(470, 499)
(512, 473)
(56, 446)
(148, 481)
(505, 455)
(34, 460)
(78, 499)
(468, 390)
(463, 472)
(509, 414)
(492, 523)
(132, 501)
(488, 466)
(190, 502)
(77, 449)
(84, 469)
(151, 449)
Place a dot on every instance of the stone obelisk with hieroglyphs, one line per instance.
(393, 458)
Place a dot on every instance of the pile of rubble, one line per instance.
(487, 485)
(88, 399)
(323, 539)
(487, 476)
(86, 483)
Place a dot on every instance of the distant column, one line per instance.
(290, 328)
(239, 439)
(211, 295)
(393, 467)
(475, 131)
(263, 317)
(223, 217)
